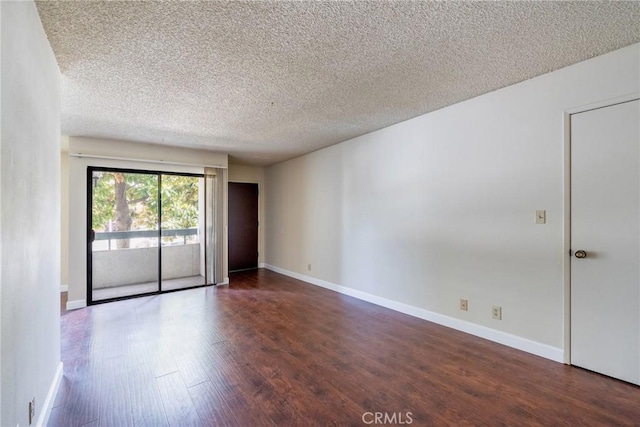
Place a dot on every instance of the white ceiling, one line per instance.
(268, 81)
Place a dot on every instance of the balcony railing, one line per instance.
(144, 234)
(118, 235)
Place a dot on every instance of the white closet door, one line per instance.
(605, 225)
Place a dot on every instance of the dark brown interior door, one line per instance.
(243, 226)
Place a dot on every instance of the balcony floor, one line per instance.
(144, 288)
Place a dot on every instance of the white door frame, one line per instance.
(567, 208)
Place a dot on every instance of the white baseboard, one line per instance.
(224, 282)
(262, 265)
(64, 288)
(514, 341)
(76, 304)
(47, 405)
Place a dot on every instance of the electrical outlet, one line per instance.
(32, 409)
(464, 305)
(309, 267)
(496, 312)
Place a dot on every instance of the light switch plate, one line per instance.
(541, 217)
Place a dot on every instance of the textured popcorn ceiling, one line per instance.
(267, 81)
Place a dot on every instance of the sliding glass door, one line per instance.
(183, 250)
(146, 233)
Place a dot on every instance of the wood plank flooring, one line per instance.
(271, 350)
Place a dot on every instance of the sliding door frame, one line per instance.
(89, 238)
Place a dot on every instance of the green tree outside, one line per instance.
(129, 201)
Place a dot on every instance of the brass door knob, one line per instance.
(581, 254)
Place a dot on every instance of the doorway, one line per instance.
(145, 233)
(605, 240)
(243, 226)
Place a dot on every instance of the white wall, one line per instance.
(64, 212)
(30, 220)
(1, 240)
(109, 153)
(254, 175)
(441, 207)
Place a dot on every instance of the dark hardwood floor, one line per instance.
(271, 350)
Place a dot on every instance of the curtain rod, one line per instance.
(129, 159)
